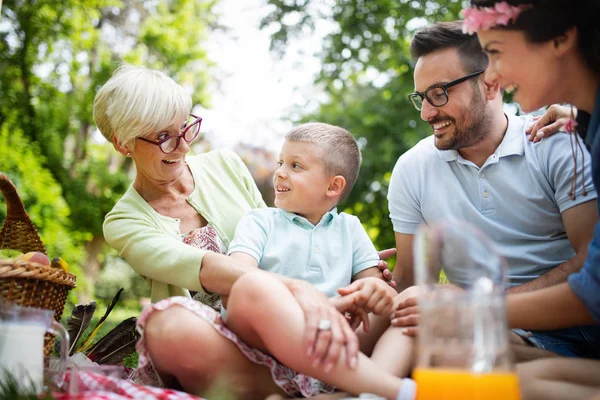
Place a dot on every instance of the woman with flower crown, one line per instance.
(548, 51)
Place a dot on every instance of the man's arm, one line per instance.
(579, 224)
(555, 307)
(403, 271)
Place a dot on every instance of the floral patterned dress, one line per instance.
(206, 307)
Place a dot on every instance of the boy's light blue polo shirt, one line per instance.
(327, 255)
(516, 197)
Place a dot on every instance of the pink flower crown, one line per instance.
(484, 18)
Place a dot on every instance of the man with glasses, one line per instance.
(479, 167)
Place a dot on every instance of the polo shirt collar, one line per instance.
(300, 220)
(514, 139)
(512, 143)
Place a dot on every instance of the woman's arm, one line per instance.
(247, 261)
(151, 252)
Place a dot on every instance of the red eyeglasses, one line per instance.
(189, 133)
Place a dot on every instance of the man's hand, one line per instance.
(383, 266)
(406, 313)
(324, 345)
(406, 316)
(548, 124)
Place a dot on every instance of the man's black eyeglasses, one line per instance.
(437, 95)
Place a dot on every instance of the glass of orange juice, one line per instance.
(462, 349)
(449, 384)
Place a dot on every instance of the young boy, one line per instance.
(305, 237)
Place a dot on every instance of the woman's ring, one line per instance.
(324, 325)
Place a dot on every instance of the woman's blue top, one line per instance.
(586, 282)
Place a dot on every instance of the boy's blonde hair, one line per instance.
(338, 150)
(137, 101)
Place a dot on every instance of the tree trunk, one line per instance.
(91, 267)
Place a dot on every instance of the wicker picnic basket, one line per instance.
(24, 283)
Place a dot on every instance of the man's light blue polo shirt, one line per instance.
(327, 255)
(516, 197)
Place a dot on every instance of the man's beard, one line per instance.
(475, 127)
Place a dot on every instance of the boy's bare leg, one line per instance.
(395, 352)
(387, 346)
(559, 378)
(263, 312)
(368, 340)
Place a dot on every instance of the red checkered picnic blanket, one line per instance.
(101, 387)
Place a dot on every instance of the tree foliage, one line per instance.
(54, 55)
(366, 74)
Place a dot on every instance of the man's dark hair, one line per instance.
(446, 35)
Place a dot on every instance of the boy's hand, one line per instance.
(383, 266)
(371, 293)
(355, 314)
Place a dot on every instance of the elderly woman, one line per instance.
(559, 41)
(173, 225)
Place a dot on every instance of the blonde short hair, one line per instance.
(338, 150)
(137, 101)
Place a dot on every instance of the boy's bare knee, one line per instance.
(407, 293)
(249, 290)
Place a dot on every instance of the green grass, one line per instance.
(13, 387)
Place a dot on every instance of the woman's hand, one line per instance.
(324, 345)
(553, 120)
(383, 266)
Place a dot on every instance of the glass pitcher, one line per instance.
(22, 331)
(462, 348)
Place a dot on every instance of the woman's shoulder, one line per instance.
(130, 200)
(123, 218)
(131, 207)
